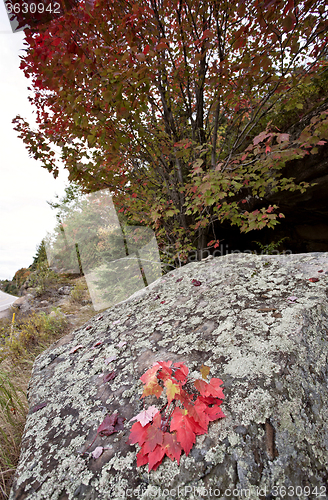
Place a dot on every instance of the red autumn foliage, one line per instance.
(147, 97)
(174, 428)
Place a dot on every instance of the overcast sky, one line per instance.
(25, 187)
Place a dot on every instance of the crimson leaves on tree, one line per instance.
(161, 102)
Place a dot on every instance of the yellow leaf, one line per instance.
(171, 390)
(204, 370)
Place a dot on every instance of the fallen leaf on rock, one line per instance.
(313, 280)
(146, 415)
(111, 424)
(180, 279)
(74, 349)
(97, 344)
(163, 302)
(97, 452)
(266, 309)
(110, 359)
(196, 282)
(277, 315)
(321, 271)
(38, 407)
(109, 376)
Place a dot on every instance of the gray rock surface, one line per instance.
(24, 303)
(257, 322)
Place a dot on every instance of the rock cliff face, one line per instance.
(306, 214)
(261, 326)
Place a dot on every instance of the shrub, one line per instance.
(30, 334)
(272, 247)
(42, 278)
(78, 293)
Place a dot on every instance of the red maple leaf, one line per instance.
(208, 400)
(154, 435)
(149, 374)
(138, 433)
(198, 413)
(214, 412)
(142, 458)
(150, 380)
(184, 397)
(166, 371)
(155, 457)
(181, 373)
(185, 428)
(171, 446)
(210, 389)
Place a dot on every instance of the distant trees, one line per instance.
(40, 257)
(21, 276)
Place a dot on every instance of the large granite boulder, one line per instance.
(259, 322)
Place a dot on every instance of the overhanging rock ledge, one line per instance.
(270, 350)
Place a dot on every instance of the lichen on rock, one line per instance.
(270, 352)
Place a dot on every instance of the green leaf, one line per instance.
(108, 95)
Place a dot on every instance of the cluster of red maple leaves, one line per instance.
(174, 428)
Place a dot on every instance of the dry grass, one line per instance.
(13, 410)
(19, 346)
